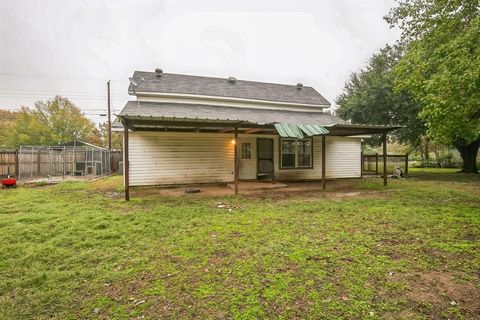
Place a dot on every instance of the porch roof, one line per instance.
(138, 115)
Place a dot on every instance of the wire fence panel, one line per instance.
(372, 164)
(81, 161)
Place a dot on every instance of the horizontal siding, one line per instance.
(173, 158)
(177, 158)
(342, 156)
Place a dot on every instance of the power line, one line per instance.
(43, 96)
(42, 92)
(55, 77)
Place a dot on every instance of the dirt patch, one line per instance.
(436, 292)
(336, 190)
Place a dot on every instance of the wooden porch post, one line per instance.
(361, 164)
(235, 159)
(384, 158)
(17, 165)
(323, 162)
(406, 165)
(126, 164)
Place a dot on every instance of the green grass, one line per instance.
(77, 250)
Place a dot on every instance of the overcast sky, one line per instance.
(72, 47)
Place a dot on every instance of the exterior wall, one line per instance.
(342, 160)
(180, 158)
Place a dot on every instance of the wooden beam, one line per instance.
(324, 183)
(235, 159)
(384, 138)
(138, 123)
(225, 130)
(253, 130)
(126, 164)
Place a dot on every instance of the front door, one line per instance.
(265, 158)
(248, 163)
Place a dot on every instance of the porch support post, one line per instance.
(126, 164)
(384, 138)
(235, 159)
(323, 162)
(17, 165)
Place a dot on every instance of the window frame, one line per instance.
(241, 150)
(296, 167)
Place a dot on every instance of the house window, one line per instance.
(246, 150)
(296, 153)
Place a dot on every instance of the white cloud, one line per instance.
(57, 45)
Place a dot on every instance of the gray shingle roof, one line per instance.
(220, 87)
(176, 111)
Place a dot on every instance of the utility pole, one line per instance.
(109, 119)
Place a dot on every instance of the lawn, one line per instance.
(77, 250)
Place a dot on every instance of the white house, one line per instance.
(184, 129)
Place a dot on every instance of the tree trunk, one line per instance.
(425, 150)
(469, 156)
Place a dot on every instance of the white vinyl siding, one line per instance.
(178, 158)
(342, 155)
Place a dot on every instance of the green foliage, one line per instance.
(441, 68)
(65, 120)
(7, 118)
(49, 123)
(332, 256)
(369, 97)
(27, 129)
(117, 137)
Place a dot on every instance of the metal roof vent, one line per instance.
(299, 86)
(231, 80)
(158, 72)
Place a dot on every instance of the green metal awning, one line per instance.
(299, 130)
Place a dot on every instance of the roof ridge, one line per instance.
(220, 87)
(221, 78)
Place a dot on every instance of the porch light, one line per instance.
(233, 141)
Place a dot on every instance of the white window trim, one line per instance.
(296, 153)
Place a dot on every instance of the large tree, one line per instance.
(49, 123)
(7, 120)
(27, 129)
(441, 68)
(369, 97)
(65, 120)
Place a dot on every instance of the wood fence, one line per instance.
(116, 157)
(8, 163)
(35, 162)
(372, 164)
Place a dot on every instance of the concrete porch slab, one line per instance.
(257, 185)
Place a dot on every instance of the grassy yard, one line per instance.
(77, 250)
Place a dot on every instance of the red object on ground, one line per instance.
(9, 182)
